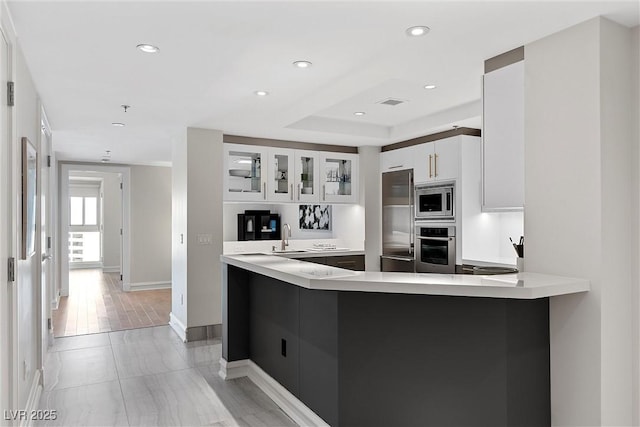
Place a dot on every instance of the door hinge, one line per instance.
(121, 231)
(48, 242)
(48, 161)
(49, 325)
(121, 277)
(11, 96)
(11, 269)
(121, 186)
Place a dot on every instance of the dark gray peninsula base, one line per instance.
(393, 359)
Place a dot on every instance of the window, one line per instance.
(83, 211)
(85, 237)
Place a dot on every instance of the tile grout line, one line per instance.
(124, 402)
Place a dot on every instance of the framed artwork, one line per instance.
(315, 217)
(29, 195)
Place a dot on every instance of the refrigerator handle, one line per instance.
(411, 214)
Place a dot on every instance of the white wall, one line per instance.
(204, 214)
(197, 215)
(635, 229)
(617, 190)
(112, 222)
(371, 198)
(150, 226)
(179, 235)
(577, 171)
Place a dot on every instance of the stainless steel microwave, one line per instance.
(435, 201)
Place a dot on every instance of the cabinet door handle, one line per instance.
(324, 192)
(291, 191)
(435, 165)
(264, 190)
(430, 174)
(411, 216)
(299, 190)
(395, 167)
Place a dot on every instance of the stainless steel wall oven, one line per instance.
(435, 248)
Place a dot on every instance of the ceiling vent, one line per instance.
(391, 101)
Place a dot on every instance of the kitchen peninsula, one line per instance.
(370, 348)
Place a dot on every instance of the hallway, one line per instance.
(96, 303)
(148, 376)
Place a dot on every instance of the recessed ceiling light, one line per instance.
(430, 86)
(302, 64)
(148, 48)
(118, 124)
(261, 93)
(417, 31)
(359, 113)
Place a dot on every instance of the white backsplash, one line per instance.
(347, 228)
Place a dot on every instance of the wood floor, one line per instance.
(96, 303)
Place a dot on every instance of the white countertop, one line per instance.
(323, 277)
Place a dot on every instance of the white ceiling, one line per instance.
(214, 55)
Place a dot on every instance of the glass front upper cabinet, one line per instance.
(307, 176)
(244, 174)
(339, 178)
(280, 185)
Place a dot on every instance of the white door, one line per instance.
(7, 227)
(423, 156)
(45, 238)
(446, 159)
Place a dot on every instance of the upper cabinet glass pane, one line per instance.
(245, 170)
(307, 175)
(281, 173)
(338, 177)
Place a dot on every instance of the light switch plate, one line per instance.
(205, 239)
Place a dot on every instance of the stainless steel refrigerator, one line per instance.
(397, 221)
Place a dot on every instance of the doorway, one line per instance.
(94, 246)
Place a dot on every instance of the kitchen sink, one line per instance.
(289, 251)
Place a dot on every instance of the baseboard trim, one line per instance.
(197, 333)
(291, 405)
(178, 327)
(34, 398)
(235, 369)
(148, 286)
(114, 269)
(84, 265)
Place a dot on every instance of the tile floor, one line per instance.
(96, 303)
(148, 377)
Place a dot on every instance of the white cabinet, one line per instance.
(280, 175)
(307, 178)
(394, 160)
(437, 161)
(243, 175)
(339, 177)
(503, 138)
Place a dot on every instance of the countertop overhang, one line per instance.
(321, 277)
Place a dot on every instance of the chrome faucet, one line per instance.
(285, 242)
